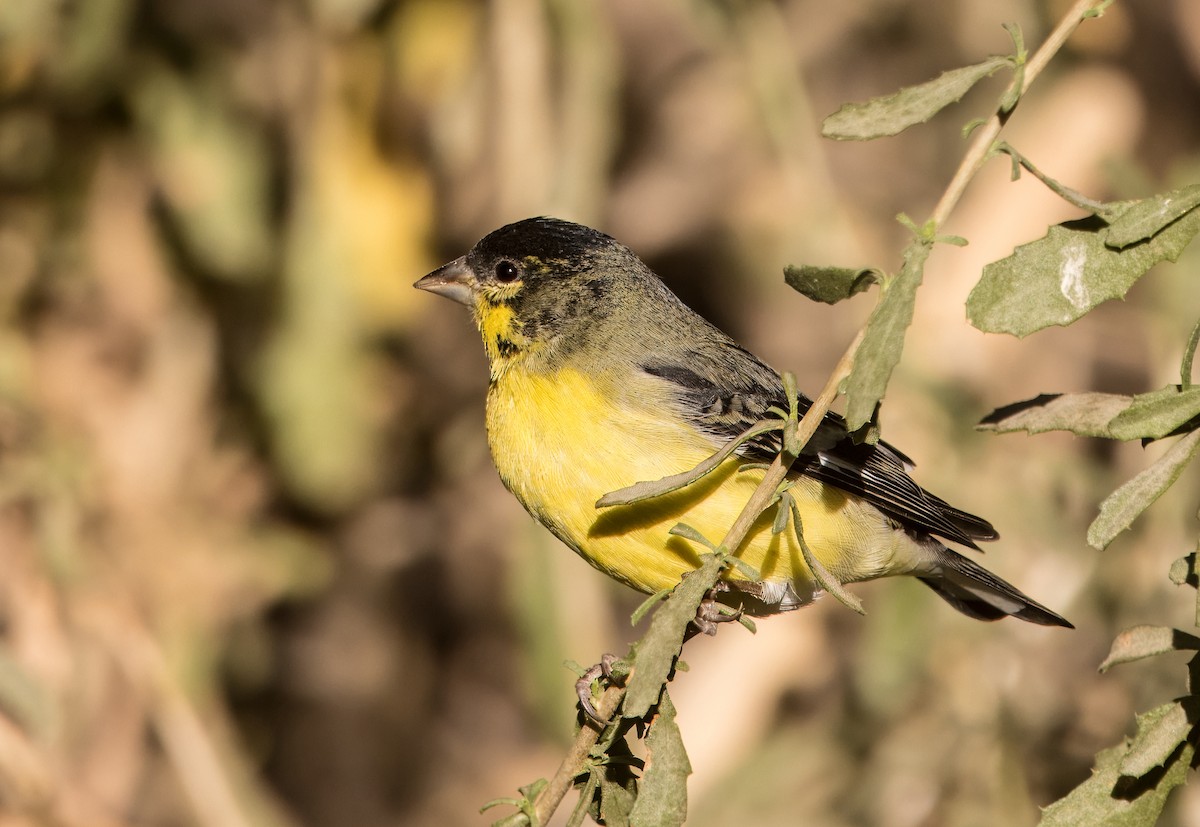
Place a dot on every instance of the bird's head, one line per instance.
(541, 285)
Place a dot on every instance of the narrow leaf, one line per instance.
(780, 523)
(883, 341)
(1060, 277)
(587, 799)
(662, 798)
(656, 488)
(664, 639)
(1125, 504)
(1106, 210)
(646, 605)
(791, 441)
(1156, 414)
(1147, 217)
(616, 803)
(1085, 414)
(618, 783)
(1146, 641)
(688, 533)
(1012, 94)
(1108, 799)
(821, 574)
(1189, 354)
(829, 285)
(1160, 732)
(891, 114)
(748, 571)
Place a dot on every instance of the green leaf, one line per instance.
(821, 574)
(1147, 641)
(527, 814)
(1183, 571)
(829, 285)
(656, 488)
(748, 571)
(646, 605)
(1160, 732)
(1020, 56)
(587, 799)
(1109, 799)
(617, 801)
(1189, 354)
(791, 441)
(1156, 414)
(891, 114)
(663, 640)
(1060, 277)
(1084, 414)
(662, 799)
(1106, 211)
(883, 341)
(618, 787)
(688, 533)
(1125, 504)
(1146, 218)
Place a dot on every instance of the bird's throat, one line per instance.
(501, 332)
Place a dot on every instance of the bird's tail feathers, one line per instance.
(978, 593)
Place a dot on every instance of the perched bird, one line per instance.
(602, 377)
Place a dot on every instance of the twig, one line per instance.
(985, 136)
(572, 764)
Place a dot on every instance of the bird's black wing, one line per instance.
(726, 390)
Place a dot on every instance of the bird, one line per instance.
(600, 377)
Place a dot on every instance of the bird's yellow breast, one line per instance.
(560, 441)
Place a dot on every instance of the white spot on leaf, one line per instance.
(1071, 281)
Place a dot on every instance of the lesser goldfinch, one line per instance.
(601, 377)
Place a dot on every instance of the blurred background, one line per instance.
(256, 567)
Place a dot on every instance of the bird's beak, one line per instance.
(454, 281)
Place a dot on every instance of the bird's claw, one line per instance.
(710, 613)
(583, 686)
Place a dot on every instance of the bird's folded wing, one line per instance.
(725, 392)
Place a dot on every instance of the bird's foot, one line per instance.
(712, 612)
(583, 686)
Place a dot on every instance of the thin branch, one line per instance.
(985, 136)
(573, 762)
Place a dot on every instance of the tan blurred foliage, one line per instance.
(255, 565)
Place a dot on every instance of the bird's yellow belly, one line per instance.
(560, 443)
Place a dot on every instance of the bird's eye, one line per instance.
(506, 271)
